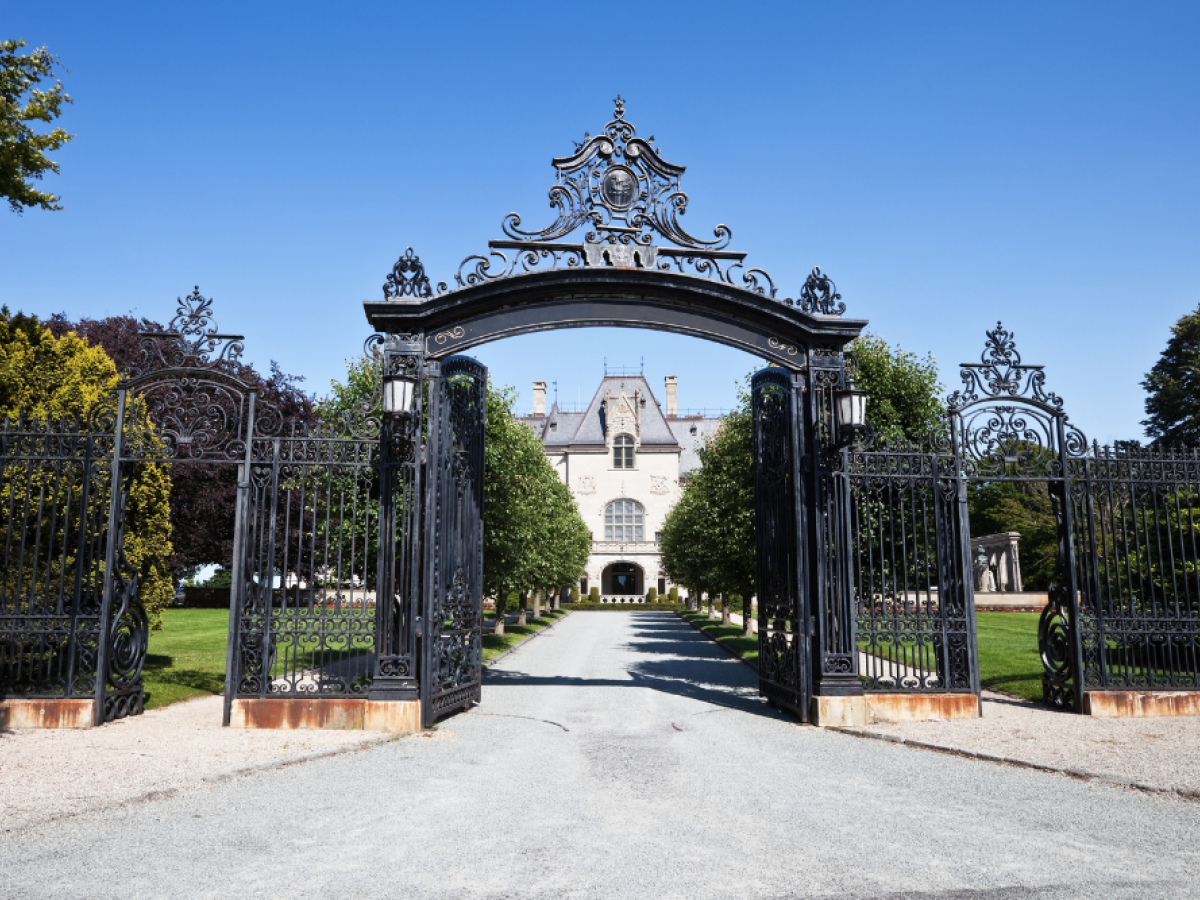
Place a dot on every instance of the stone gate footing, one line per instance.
(397, 716)
(869, 709)
(1140, 704)
(46, 713)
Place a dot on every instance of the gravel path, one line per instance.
(624, 756)
(1160, 753)
(47, 774)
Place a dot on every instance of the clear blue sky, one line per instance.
(947, 164)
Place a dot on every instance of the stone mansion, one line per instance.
(622, 458)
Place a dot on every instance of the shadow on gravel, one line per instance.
(696, 668)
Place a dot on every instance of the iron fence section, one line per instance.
(1136, 520)
(914, 628)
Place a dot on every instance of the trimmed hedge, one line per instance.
(631, 607)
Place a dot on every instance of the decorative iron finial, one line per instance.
(407, 278)
(1000, 374)
(191, 340)
(619, 112)
(819, 295)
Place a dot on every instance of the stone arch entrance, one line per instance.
(622, 579)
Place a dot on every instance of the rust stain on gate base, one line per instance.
(921, 707)
(46, 713)
(401, 717)
(1141, 704)
(847, 712)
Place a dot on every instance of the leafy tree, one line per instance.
(903, 391)
(709, 536)
(22, 151)
(49, 379)
(1025, 507)
(1173, 388)
(533, 538)
(203, 494)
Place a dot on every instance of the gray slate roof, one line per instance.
(567, 430)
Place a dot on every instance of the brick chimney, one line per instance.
(539, 398)
(672, 402)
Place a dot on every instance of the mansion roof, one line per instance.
(590, 431)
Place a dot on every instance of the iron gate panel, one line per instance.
(452, 617)
(307, 606)
(54, 485)
(784, 650)
(913, 606)
(1135, 515)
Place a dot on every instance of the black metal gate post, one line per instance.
(1070, 568)
(237, 591)
(828, 506)
(784, 617)
(397, 581)
(959, 660)
(451, 673)
(113, 535)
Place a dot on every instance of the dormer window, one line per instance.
(623, 452)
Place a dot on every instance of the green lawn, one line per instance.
(187, 656)
(1008, 653)
(745, 648)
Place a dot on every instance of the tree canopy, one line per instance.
(203, 494)
(47, 379)
(533, 535)
(23, 151)
(1173, 388)
(903, 390)
(708, 537)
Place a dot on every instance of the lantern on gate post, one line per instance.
(399, 391)
(850, 412)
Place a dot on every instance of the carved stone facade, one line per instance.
(623, 500)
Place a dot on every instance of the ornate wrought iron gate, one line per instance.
(452, 604)
(784, 623)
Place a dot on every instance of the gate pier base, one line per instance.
(399, 717)
(47, 713)
(869, 709)
(1140, 704)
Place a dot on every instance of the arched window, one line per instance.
(623, 452)
(623, 521)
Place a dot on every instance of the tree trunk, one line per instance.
(747, 614)
(558, 599)
(710, 604)
(537, 604)
(522, 609)
(725, 620)
(501, 606)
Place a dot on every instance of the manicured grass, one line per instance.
(745, 648)
(1008, 653)
(187, 656)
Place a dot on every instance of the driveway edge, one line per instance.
(529, 637)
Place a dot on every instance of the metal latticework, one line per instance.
(1136, 513)
(913, 622)
(55, 483)
(452, 670)
(784, 670)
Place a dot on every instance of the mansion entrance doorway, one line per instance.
(623, 579)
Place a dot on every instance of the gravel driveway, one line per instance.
(624, 755)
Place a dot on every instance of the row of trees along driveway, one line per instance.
(708, 539)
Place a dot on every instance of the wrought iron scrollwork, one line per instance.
(407, 278)
(819, 295)
(628, 202)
